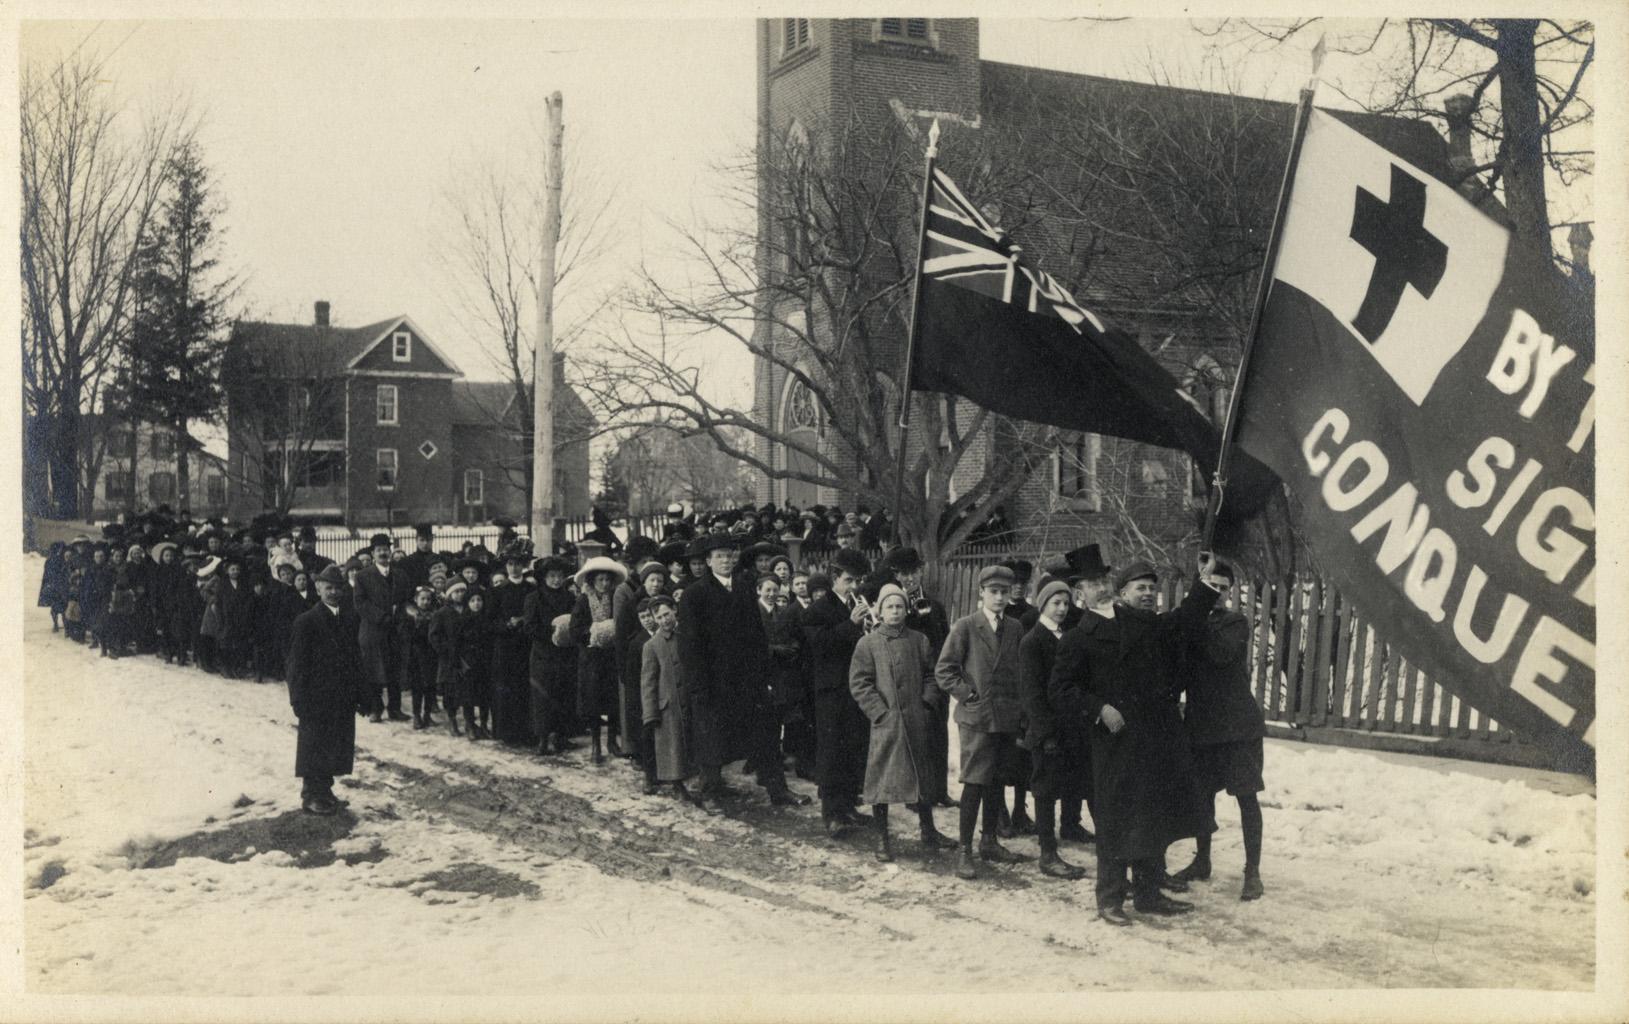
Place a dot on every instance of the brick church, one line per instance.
(899, 74)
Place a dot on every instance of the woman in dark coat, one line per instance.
(235, 599)
(117, 621)
(593, 629)
(54, 583)
(891, 678)
(446, 637)
(552, 668)
(143, 577)
(183, 607)
(95, 587)
(512, 718)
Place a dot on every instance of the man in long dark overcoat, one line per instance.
(1117, 670)
(375, 601)
(324, 671)
(726, 661)
(834, 625)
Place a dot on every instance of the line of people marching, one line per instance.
(689, 654)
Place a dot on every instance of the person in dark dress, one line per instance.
(1117, 671)
(593, 630)
(184, 607)
(1225, 726)
(235, 601)
(141, 574)
(54, 583)
(475, 647)
(552, 666)
(95, 587)
(511, 643)
(1057, 747)
(419, 662)
(323, 670)
(446, 638)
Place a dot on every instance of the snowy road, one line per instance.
(165, 854)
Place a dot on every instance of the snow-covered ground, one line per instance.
(471, 870)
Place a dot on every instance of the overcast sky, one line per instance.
(334, 142)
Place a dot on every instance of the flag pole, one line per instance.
(1264, 289)
(910, 335)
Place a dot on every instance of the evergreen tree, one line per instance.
(177, 333)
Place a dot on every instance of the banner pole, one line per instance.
(1263, 291)
(910, 334)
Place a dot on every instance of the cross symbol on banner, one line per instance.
(1404, 252)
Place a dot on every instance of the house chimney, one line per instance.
(322, 313)
(1458, 110)
(1579, 237)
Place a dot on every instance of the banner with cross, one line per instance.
(1424, 384)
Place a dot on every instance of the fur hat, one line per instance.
(850, 561)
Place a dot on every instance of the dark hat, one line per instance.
(553, 563)
(1000, 573)
(1087, 561)
(1221, 568)
(672, 551)
(424, 530)
(658, 601)
(517, 552)
(696, 549)
(480, 553)
(308, 532)
(380, 540)
(503, 522)
(845, 530)
(284, 565)
(763, 547)
(852, 562)
(639, 548)
(1134, 571)
(902, 560)
(331, 574)
(712, 542)
(819, 581)
(460, 564)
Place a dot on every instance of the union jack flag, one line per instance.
(966, 250)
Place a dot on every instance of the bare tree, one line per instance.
(492, 214)
(92, 175)
(821, 292)
(286, 420)
(1529, 113)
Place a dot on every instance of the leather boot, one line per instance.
(934, 840)
(885, 843)
(1054, 866)
(990, 849)
(1021, 823)
(596, 754)
(452, 725)
(1198, 870)
(965, 868)
(1252, 885)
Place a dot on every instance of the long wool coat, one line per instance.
(324, 672)
(979, 667)
(662, 699)
(726, 666)
(596, 666)
(891, 678)
(553, 670)
(446, 637)
(1063, 736)
(1143, 775)
(1221, 708)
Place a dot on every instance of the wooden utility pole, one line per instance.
(543, 350)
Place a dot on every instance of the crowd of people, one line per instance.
(710, 645)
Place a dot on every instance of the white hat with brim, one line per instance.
(209, 568)
(600, 564)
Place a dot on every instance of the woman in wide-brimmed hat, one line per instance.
(593, 627)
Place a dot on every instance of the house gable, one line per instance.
(380, 353)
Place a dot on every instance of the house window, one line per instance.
(121, 443)
(118, 484)
(1074, 471)
(913, 30)
(163, 445)
(216, 489)
(474, 487)
(794, 35)
(386, 460)
(386, 405)
(401, 347)
(161, 486)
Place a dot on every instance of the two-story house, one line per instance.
(350, 424)
(133, 467)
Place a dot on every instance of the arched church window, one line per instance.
(802, 409)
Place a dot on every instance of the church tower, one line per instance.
(815, 72)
